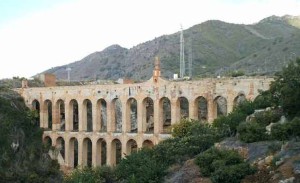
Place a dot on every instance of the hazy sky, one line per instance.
(36, 35)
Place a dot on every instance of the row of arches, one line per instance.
(73, 154)
(89, 117)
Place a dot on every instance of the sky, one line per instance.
(36, 35)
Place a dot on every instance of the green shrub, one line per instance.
(226, 126)
(231, 174)
(82, 175)
(285, 90)
(223, 165)
(102, 174)
(264, 100)
(252, 132)
(287, 130)
(280, 132)
(182, 128)
(141, 167)
(246, 107)
(150, 165)
(237, 73)
(266, 117)
(295, 127)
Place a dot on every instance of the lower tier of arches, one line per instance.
(73, 149)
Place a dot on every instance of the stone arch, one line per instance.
(73, 152)
(117, 115)
(240, 98)
(183, 104)
(131, 147)
(60, 147)
(36, 109)
(201, 108)
(220, 106)
(61, 116)
(47, 141)
(87, 152)
(148, 115)
(165, 114)
(101, 152)
(131, 115)
(101, 115)
(87, 115)
(116, 151)
(48, 114)
(148, 144)
(73, 113)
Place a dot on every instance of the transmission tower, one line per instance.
(182, 63)
(190, 59)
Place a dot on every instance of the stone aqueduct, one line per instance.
(92, 125)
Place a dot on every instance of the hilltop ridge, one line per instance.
(217, 48)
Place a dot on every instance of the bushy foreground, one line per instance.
(23, 157)
(222, 165)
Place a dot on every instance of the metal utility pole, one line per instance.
(69, 70)
(182, 63)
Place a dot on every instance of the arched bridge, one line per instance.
(92, 125)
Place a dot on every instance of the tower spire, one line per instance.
(156, 71)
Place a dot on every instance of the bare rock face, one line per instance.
(188, 173)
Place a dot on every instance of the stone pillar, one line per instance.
(96, 116)
(96, 153)
(158, 124)
(110, 117)
(141, 112)
(81, 121)
(126, 123)
(70, 149)
(68, 117)
(112, 153)
(229, 104)
(80, 152)
(124, 150)
(175, 110)
(44, 114)
(210, 109)
(55, 117)
(140, 142)
(192, 110)
(67, 152)
(109, 158)
(84, 151)
(42, 125)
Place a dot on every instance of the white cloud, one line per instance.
(71, 31)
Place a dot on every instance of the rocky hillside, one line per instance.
(217, 47)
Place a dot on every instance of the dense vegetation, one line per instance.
(23, 157)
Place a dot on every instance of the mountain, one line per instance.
(217, 48)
